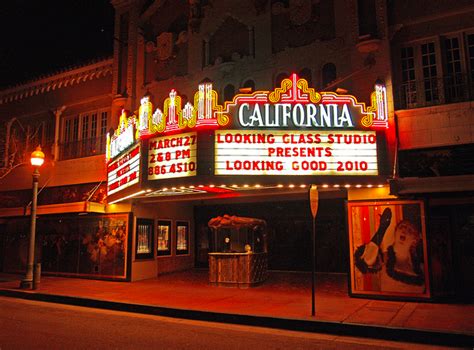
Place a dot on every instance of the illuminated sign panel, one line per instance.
(122, 141)
(123, 171)
(172, 156)
(284, 152)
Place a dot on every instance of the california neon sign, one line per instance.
(294, 105)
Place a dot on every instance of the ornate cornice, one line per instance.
(57, 81)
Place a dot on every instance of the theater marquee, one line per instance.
(292, 130)
(283, 152)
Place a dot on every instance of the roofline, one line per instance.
(57, 81)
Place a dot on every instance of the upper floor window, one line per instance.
(248, 86)
(229, 92)
(84, 135)
(329, 74)
(306, 74)
(435, 72)
(367, 19)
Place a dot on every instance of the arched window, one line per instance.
(305, 73)
(280, 78)
(249, 84)
(229, 92)
(205, 80)
(328, 74)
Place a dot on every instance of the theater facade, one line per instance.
(178, 166)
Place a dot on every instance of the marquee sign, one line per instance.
(123, 171)
(295, 130)
(283, 152)
(172, 156)
(292, 130)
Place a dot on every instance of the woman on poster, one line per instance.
(401, 263)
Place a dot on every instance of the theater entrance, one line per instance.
(289, 229)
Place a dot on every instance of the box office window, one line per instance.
(144, 243)
(182, 237)
(164, 238)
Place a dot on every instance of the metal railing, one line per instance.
(434, 91)
(82, 148)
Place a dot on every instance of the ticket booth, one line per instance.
(239, 257)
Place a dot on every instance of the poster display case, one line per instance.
(388, 249)
(164, 237)
(182, 237)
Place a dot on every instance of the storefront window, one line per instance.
(164, 237)
(92, 245)
(144, 245)
(182, 237)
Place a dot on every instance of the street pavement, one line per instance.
(26, 324)
(283, 301)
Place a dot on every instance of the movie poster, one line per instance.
(388, 249)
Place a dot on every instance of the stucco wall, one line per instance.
(149, 268)
(451, 124)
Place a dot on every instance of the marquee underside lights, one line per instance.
(172, 156)
(128, 197)
(280, 152)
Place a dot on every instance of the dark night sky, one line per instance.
(42, 36)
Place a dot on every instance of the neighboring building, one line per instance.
(68, 114)
(433, 65)
(170, 52)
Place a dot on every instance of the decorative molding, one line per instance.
(64, 79)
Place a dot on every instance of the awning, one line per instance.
(75, 207)
(413, 185)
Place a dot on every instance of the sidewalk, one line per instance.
(283, 301)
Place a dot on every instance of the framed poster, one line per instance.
(387, 248)
(144, 240)
(182, 237)
(164, 237)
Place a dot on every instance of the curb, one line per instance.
(327, 327)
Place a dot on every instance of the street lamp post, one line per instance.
(37, 159)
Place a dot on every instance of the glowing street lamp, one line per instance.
(37, 159)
